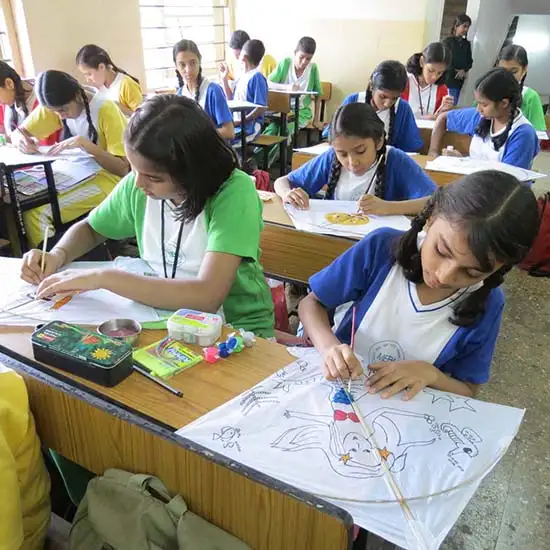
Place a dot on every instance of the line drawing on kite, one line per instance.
(350, 453)
(456, 402)
(256, 398)
(306, 376)
(228, 437)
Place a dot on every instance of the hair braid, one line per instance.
(470, 310)
(92, 131)
(390, 125)
(198, 85)
(20, 101)
(500, 140)
(408, 255)
(380, 182)
(368, 95)
(522, 84)
(335, 171)
(181, 83)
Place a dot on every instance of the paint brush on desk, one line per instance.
(145, 372)
(353, 313)
(44, 250)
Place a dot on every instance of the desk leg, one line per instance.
(296, 119)
(243, 139)
(284, 145)
(52, 194)
(14, 199)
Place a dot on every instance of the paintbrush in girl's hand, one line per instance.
(354, 311)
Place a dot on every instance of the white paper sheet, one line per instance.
(424, 123)
(314, 150)
(296, 427)
(11, 156)
(313, 220)
(92, 307)
(467, 165)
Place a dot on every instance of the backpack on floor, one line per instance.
(537, 261)
(124, 511)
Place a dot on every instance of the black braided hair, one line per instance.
(380, 181)
(6, 71)
(356, 120)
(517, 53)
(496, 85)
(188, 46)
(390, 76)
(55, 89)
(500, 217)
(93, 56)
(176, 135)
(198, 85)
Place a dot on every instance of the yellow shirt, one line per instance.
(108, 120)
(24, 482)
(267, 66)
(124, 90)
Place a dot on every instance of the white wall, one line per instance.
(352, 35)
(434, 18)
(531, 6)
(533, 33)
(490, 22)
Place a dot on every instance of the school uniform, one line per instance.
(405, 132)
(79, 200)
(267, 66)
(231, 223)
(212, 100)
(423, 101)
(25, 502)
(123, 90)
(393, 325)
(520, 148)
(252, 87)
(532, 109)
(404, 178)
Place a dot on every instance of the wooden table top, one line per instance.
(204, 386)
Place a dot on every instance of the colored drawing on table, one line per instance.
(342, 218)
(308, 432)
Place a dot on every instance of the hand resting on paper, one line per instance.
(76, 142)
(70, 281)
(451, 153)
(298, 198)
(31, 271)
(24, 143)
(369, 204)
(392, 377)
(341, 361)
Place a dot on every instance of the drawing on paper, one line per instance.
(306, 431)
(341, 218)
(228, 437)
(456, 402)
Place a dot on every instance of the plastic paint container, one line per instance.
(195, 327)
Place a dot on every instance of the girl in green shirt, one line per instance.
(197, 219)
(513, 58)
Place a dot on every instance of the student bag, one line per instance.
(537, 261)
(124, 511)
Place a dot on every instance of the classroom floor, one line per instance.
(511, 510)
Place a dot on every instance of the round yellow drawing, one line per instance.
(340, 218)
(101, 354)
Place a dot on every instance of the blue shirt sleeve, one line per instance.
(216, 105)
(405, 133)
(405, 179)
(521, 147)
(314, 174)
(463, 121)
(469, 353)
(349, 277)
(257, 90)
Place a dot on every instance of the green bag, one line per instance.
(124, 511)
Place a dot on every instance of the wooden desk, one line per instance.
(292, 255)
(439, 178)
(132, 426)
(461, 142)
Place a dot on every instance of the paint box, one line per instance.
(195, 327)
(93, 356)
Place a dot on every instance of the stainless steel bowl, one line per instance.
(125, 330)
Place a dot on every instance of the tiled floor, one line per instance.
(511, 510)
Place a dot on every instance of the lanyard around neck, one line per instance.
(420, 98)
(163, 246)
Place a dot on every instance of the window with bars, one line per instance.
(165, 22)
(5, 47)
